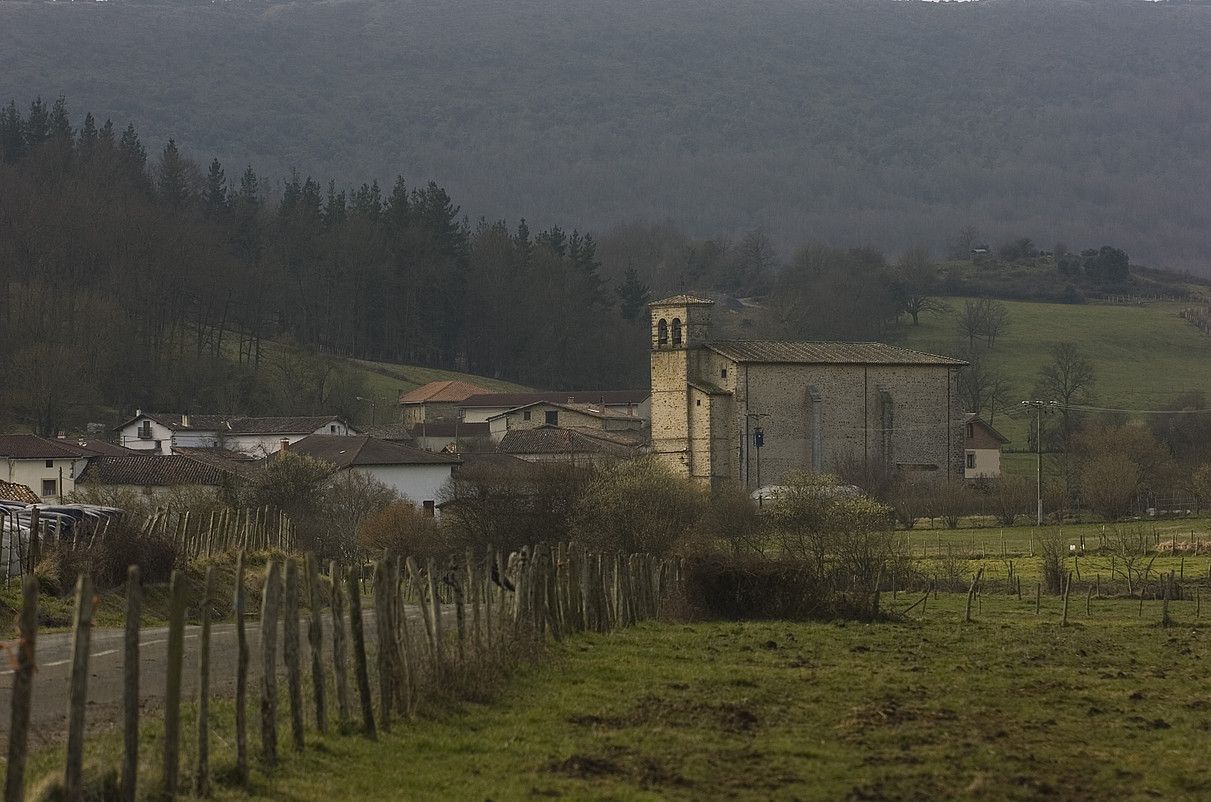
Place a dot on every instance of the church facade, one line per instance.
(750, 412)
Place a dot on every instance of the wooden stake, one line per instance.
(269, 677)
(77, 695)
(202, 775)
(290, 652)
(172, 692)
(359, 653)
(315, 639)
(241, 673)
(23, 677)
(130, 685)
(338, 648)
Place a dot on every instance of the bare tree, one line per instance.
(1068, 379)
(1109, 483)
(916, 282)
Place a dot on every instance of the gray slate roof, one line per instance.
(154, 470)
(348, 452)
(683, 300)
(513, 400)
(826, 353)
(570, 440)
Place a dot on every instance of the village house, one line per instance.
(416, 475)
(436, 401)
(158, 475)
(162, 432)
(749, 413)
(482, 408)
(49, 467)
(574, 447)
(577, 416)
(982, 449)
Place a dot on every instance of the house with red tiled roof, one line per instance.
(436, 401)
(48, 466)
(165, 432)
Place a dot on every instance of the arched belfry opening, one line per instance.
(662, 332)
(677, 332)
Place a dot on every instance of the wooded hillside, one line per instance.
(881, 123)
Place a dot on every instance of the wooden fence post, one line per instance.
(1067, 587)
(290, 652)
(202, 775)
(241, 672)
(382, 621)
(971, 592)
(269, 678)
(77, 695)
(172, 692)
(315, 638)
(338, 648)
(436, 607)
(359, 652)
(130, 685)
(23, 677)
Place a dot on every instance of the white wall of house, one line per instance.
(482, 414)
(982, 463)
(154, 437)
(58, 476)
(163, 439)
(417, 483)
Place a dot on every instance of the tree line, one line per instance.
(147, 280)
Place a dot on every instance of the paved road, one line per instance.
(53, 656)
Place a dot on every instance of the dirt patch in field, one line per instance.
(891, 712)
(621, 764)
(729, 717)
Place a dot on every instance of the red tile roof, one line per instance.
(348, 452)
(450, 391)
(11, 491)
(30, 446)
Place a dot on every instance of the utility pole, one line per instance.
(758, 438)
(1038, 446)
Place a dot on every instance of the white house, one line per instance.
(481, 408)
(163, 432)
(416, 475)
(48, 467)
(982, 449)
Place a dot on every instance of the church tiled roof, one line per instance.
(826, 353)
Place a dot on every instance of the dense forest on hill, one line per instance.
(857, 123)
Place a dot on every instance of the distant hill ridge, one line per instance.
(881, 123)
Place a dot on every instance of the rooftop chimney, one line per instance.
(285, 444)
(185, 420)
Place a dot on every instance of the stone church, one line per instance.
(749, 412)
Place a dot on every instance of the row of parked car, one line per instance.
(55, 521)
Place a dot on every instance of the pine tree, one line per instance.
(59, 124)
(12, 134)
(88, 137)
(214, 197)
(171, 181)
(633, 295)
(250, 186)
(133, 154)
(37, 124)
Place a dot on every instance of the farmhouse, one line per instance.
(162, 432)
(154, 475)
(436, 401)
(415, 474)
(49, 467)
(751, 412)
(982, 449)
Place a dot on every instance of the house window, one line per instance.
(50, 487)
(552, 417)
(723, 373)
(676, 331)
(429, 509)
(525, 415)
(971, 430)
(50, 463)
(145, 430)
(332, 428)
(662, 332)
(971, 459)
(697, 402)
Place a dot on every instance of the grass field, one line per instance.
(1010, 707)
(1143, 355)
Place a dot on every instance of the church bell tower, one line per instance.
(680, 327)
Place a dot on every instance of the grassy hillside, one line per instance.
(1143, 355)
(883, 123)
